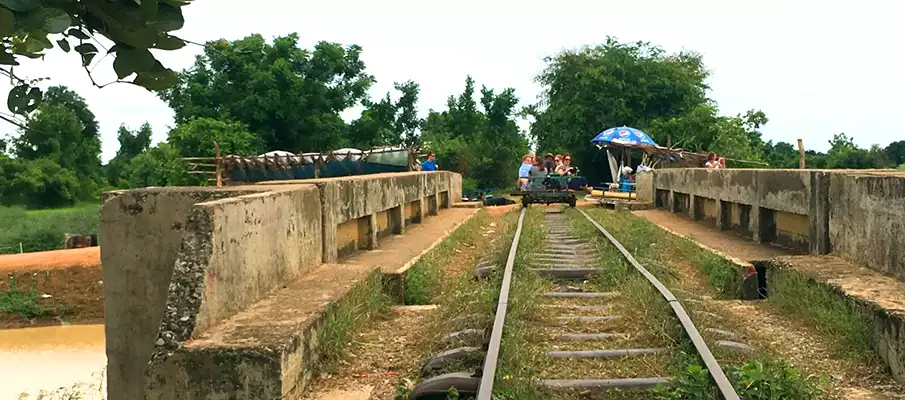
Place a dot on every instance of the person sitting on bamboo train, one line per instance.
(524, 170)
(561, 168)
(576, 182)
(537, 171)
(549, 163)
(430, 164)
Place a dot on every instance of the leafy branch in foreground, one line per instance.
(30, 27)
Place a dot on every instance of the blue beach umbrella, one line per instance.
(624, 136)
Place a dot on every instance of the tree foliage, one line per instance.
(290, 97)
(196, 137)
(386, 122)
(621, 84)
(158, 166)
(28, 28)
(485, 146)
(131, 144)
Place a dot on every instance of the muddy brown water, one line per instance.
(47, 358)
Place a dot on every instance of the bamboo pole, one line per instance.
(219, 168)
(801, 163)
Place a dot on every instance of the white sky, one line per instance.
(814, 67)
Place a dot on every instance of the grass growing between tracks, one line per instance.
(445, 277)
(757, 376)
(531, 327)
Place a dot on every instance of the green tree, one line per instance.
(131, 144)
(896, 152)
(134, 27)
(290, 97)
(386, 122)
(485, 147)
(781, 155)
(616, 84)
(56, 134)
(41, 183)
(844, 154)
(196, 137)
(159, 166)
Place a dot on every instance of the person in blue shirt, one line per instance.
(430, 164)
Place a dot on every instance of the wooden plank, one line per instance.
(801, 163)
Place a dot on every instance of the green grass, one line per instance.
(41, 230)
(762, 377)
(659, 250)
(424, 281)
(24, 302)
(365, 303)
(840, 321)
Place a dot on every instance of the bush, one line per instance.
(25, 302)
(774, 379)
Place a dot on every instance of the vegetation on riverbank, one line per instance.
(42, 230)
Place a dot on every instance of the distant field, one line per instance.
(42, 230)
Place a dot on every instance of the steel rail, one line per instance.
(713, 367)
(485, 390)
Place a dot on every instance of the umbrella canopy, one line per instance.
(623, 136)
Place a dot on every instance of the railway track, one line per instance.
(580, 310)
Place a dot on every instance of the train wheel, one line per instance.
(437, 388)
(572, 202)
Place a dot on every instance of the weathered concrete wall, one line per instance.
(142, 233)
(236, 251)
(858, 214)
(185, 259)
(867, 220)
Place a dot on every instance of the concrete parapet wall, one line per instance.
(867, 220)
(142, 232)
(860, 215)
(179, 262)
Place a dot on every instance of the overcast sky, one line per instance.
(814, 67)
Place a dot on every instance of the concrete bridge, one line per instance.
(849, 226)
(214, 293)
(220, 292)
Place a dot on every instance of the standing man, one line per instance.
(430, 164)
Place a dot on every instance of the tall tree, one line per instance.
(64, 129)
(484, 146)
(896, 152)
(131, 144)
(290, 97)
(616, 84)
(386, 122)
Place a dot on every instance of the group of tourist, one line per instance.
(533, 166)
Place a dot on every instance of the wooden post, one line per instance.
(217, 161)
(801, 163)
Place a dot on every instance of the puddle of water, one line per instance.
(47, 358)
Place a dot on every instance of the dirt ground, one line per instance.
(48, 260)
(387, 354)
(764, 327)
(68, 282)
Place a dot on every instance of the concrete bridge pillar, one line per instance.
(722, 214)
(397, 218)
(819, 214)
(372, 232)
(694, 207)
(672, 201)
